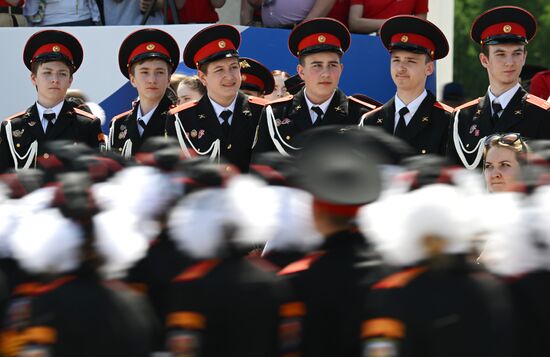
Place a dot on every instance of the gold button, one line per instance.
(46, 155)
(287, 137)
(17, 145)
(229, 147)
(119, 149)
(423, 151)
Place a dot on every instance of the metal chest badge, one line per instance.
(18, 133)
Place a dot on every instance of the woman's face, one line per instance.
(280, 89)
(502, 169)
(186, 94)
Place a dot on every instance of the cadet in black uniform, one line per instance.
(224, 121)
(52, 57)
(503, 34)
(147, 57)
(332, 281)
(439, 303)
(319, 45)
(413, 115)
(257, 80)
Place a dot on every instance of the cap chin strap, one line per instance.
(275, 135)
(460, 149)
(30, 155)
(213, 150)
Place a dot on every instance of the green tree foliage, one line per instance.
(467, 69)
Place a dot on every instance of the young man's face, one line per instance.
(409, 70)
(150, 78)
(222, 79)
(321, 73)
(504, 63)
(52, 80)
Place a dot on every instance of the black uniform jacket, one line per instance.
(232, 307)
(525, 114)
(77, 315)
(72, 124)
(125, 126)
(332, 284)
(202, 127)
(426, 132)
(449, 310)
(292, 117)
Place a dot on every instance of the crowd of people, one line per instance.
(245, 212)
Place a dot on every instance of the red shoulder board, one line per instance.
(197, 271)
(281, 100)
(44, 288)
(84, 114)
(121, 115)
(256, 100)
(469, 104)
(183, 106)
(443, 106)
(360, 102)
(301, 265)
(399, 279)
(16, 115)
(539, 102)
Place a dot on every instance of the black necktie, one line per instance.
(142, 124)
(50, 117)
(497, 108)
(401, 127)
(225, 125)
(319, 113)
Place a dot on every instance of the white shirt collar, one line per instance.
(505, 97)
(412, 106)
(218, 109)
(145, 117)
(323, 106)
(41, 110)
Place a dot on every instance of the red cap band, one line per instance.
(53, 48)
(339, 210)
(414, 39)
(219, 45)
(252, 79)
(148, 47)
(503, 28)
(318, 39)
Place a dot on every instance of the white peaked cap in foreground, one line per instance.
(199, 223)
(398, 224)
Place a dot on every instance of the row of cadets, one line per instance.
(53, 57)
(319, 44)
(224, 121)
(147, 58)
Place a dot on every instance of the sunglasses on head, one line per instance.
(506, 139)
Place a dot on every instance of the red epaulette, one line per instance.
(360, 102)
(121, 115)
(301, 265)
(539, 102)
(84, 114)
(399, 279)
(281, 100)
(443, 106)
(183, 106)
(257, 100)
(16, 115)
(469, 104)
(197, 271)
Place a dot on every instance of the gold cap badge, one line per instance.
(56, 48)
(244, 64)
(150, 47)
(507, 28)
(221, 44)
(404, 38)
(321, 39)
